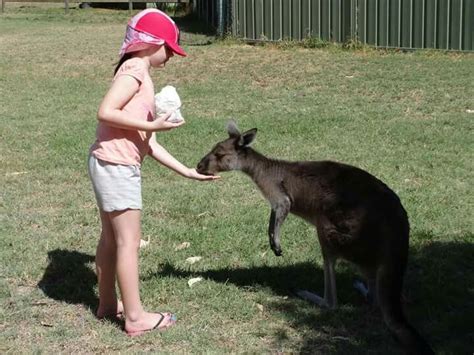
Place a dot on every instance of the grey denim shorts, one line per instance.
(116, 187)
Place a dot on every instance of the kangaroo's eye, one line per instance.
(219, 155)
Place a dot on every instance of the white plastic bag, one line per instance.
(167, 100)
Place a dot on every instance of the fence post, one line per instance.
(3, 5)
(220, 18)
(66, 6)
(130, 6)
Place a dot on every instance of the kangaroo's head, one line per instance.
(227, 155)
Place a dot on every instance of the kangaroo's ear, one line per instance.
(232, 129)
(247, 138)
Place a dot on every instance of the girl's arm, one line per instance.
(110, 111)
(161, 155)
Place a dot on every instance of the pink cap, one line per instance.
(151, 27)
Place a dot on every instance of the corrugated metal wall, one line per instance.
(217, 13)
(206, 10)
(443, 24)
(291, 19)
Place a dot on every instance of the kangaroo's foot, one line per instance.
(313, 298)
(367, 293)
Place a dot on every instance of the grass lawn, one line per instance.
(405, 117)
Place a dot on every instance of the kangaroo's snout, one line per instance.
(203, 166)
(200, 167)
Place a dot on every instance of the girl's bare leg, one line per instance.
(106, 257)
(127, 232)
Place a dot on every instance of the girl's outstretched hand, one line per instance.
(161, 123)
(193, 174)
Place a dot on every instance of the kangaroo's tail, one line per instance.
(389, 289)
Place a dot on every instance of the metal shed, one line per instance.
(410, 24)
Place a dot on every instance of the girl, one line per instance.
(125, 134)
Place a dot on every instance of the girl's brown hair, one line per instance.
(125, 57)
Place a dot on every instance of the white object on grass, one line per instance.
(192, 281)
(167, 100)
(144, 243)
(193, 259)
(182, 246)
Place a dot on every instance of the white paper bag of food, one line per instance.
(167, 100)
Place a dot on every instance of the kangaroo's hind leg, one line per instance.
(330, 291)
(330, 294)
(368, 290)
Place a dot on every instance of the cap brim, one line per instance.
(176, 49)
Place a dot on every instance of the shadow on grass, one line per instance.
(439, 286)
(69, 278)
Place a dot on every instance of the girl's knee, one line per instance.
(107, 241)
(130, 242)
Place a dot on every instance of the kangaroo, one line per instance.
(357, 218)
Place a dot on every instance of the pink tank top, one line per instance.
(124, 146)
